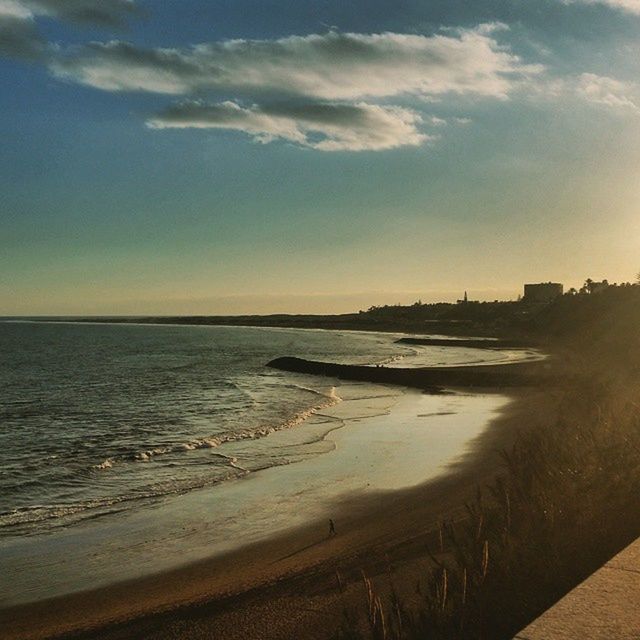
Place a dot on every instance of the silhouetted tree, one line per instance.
(588, 283)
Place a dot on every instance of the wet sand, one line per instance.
(475, 343)
(286, 586)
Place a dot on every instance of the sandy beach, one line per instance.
(286, 585)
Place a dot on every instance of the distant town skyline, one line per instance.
(246, 304)
(251, 157)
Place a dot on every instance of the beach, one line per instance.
(391, 483)
(318, 320)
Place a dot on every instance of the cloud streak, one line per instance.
(19, 38)
(630, 6)
(331, 66)
(607, 91)
(326, 127)
(19, 35)
(112, 13)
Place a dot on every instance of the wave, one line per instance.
(332, 393)
(22, 519)
(34, 514)
(398, 357)
(217, 440)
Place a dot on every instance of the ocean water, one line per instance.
(97, 419)
(127, 450)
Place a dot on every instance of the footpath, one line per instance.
(606, 606)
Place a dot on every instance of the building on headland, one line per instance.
(466, 300)
(542, 292)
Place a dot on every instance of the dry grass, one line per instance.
(565, 502)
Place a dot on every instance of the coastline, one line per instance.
(386, 523)
(342, 322)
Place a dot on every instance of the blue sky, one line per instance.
(250, 156)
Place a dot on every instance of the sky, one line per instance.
(266, 156)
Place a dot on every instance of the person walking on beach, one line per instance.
(332, 528)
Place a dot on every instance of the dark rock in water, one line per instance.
(430, 379)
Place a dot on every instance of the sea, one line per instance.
(100, 423)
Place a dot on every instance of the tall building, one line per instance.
(542, 292)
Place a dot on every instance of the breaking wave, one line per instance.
(219, 439)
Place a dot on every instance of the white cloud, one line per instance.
(607, 91)
(601, 91)
(14, 9)
(107, 12)
(326, 127)
(631, 6)
(333, 66)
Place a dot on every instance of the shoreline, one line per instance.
(342, 322)
(251, 581)
(484, 343)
